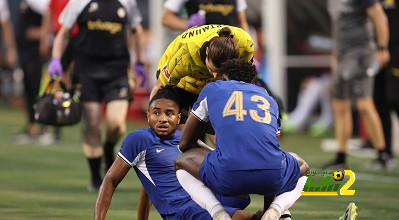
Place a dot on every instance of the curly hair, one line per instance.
(238, 69)
(223, 48)
(167, 92)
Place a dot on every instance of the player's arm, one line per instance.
(114, 176)
(45, 33)
(241, 16)
(377, 15)
(61, 39)
(242, 20)
(138, 33)
(143, 205)
(173, 21)
(158, 85)
(8, 37)
(193, 131)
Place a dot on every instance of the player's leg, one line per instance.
(370, 117)
(92, 147)
(92, 142)
(187, 167)
(117, 94)
(285, 200)
(115, 119)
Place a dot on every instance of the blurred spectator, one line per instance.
(314, 91)
(357, 49)
(386, 84)
(7, 35)
(28, 37)
(50, 26)
(102, 62)
(230, 12)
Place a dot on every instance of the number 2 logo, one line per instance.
(235, 107)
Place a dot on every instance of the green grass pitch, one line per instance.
(49, 182)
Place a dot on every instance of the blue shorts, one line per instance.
(262, 182)
(192, 210)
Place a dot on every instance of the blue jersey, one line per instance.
(153, 161)
(147, 153)
(245, 119)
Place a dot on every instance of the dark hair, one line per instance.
(223, 48)
(238, 69)
(167, 92)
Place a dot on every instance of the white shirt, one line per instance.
(4, 11)
(38, 6)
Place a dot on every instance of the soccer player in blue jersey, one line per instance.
(151, 152)
(247, 158)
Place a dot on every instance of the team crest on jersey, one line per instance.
(123, 92)
(93, 7)
(121, 12)
(165, 72)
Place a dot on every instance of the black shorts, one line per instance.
(96, 89)
(187, 100)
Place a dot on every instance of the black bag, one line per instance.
(57, 108)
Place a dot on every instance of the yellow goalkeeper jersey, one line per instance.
(183, 63)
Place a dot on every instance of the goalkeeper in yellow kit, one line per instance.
(192, 60)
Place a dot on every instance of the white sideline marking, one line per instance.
(376, 178)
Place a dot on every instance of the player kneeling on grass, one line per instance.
(247, 158)
(151, 152)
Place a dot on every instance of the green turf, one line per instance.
(49, 182)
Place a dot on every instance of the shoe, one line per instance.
(317, 130)
(221, 215)
(334, 165)
(392, 163)
(46, 138)
(23, 138)
(271, 214)
(286, 215)
(350, 212)
(288, 127)
(383, 163)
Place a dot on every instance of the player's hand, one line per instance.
(140, 71)
(195, 20)
(383, 57)
(55, 68)
(11, 58)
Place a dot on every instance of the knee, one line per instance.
(304, 168)
(179, 161)
(303, 165)
(182, 160)
(116, 128)
(365, 106)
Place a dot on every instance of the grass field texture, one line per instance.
(49, 182)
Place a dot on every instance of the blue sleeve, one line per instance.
(134, 146)
(203, 94)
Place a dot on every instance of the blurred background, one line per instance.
(293, 48)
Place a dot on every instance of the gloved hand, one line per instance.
(55, 68)
(257, 65)
(195, 20)
(140, 71)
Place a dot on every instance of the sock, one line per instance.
(109, 154)
(94, 165)
(201, 194)
(340, 157)
(286, 200)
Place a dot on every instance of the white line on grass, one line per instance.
(376, 178)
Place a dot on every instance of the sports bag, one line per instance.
(58, 106)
